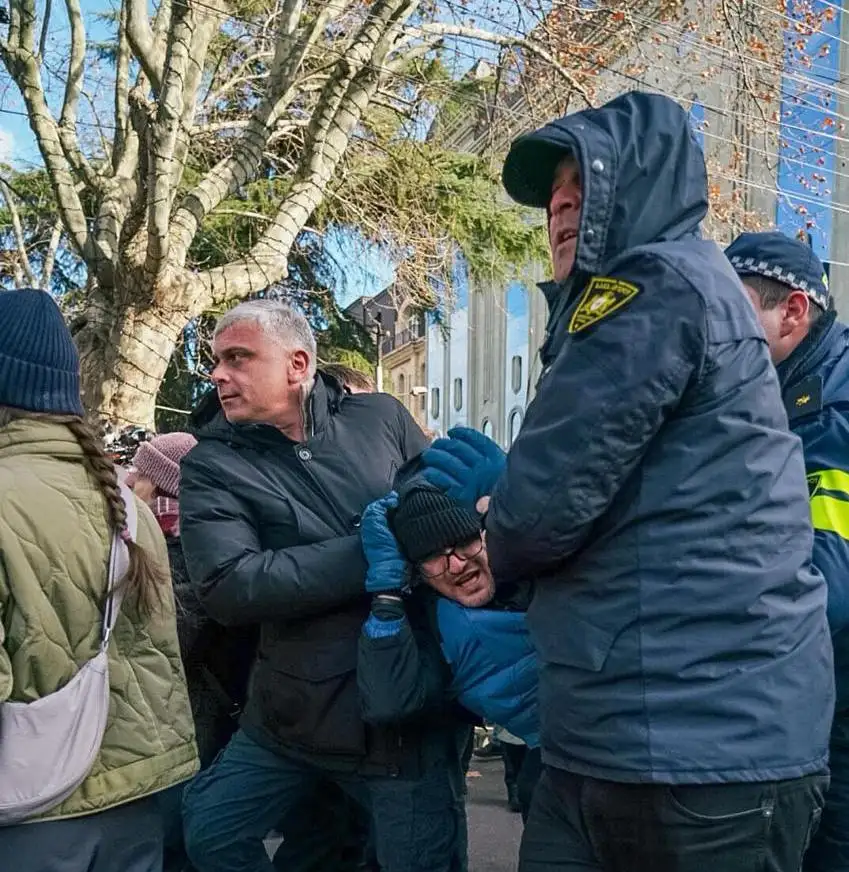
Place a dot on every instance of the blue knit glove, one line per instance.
(387, 567)
(466, 466)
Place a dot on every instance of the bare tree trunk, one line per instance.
(125, 348)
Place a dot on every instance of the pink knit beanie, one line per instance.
(159, 460)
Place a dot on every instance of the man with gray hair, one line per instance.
(272, 496)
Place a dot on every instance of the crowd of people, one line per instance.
(280, 628)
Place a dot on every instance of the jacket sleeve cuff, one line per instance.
(378, 628)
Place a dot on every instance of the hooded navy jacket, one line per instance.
(655, 494)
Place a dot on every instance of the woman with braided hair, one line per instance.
(60, 504)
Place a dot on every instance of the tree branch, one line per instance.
(163, 139)
(18, 231)
(238, 77)
(242, 165)
(50, 255)
(188, 43)
(343, 100)
(509, 41)
(205, 26)
(73, 87)
(22, 63)
(122, 90)
(42, 42)
(142, 41)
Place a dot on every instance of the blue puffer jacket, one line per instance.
(655, 494)
(493, 666)
(815, 383)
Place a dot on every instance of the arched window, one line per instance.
(423, 381)
(515, 425)
(487, 428)
(434, 403)
(516, 373)
(401, 387)
(458, 394)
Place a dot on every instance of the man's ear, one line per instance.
(797, 307)
(299, 365)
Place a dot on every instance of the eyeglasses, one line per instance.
(439, 564)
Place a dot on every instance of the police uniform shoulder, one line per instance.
(644, 278)
(601, 298)
(804, 398)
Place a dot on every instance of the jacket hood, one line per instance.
(643, 174)
(208, 421)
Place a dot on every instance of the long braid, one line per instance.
(145, 583)
(103, 471)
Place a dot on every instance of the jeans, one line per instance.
(126, 838)
(230, 807)
(579, 823)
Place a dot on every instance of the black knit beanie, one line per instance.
(427, 521)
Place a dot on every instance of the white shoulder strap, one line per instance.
(119, 563)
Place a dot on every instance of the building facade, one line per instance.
(770, 118)
(399, 331)
(782, 161)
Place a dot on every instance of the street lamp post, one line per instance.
(378, 337)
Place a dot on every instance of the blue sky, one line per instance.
(17, 144)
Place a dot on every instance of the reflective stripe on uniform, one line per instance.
(830, 515)
(830, 501)
(833, 480)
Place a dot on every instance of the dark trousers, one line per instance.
(339, 844)
(578, 823)
(514, 757)
(126, 838)
(829, 851)
(229, 808)
(529, 775)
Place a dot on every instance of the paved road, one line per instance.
(494, 831)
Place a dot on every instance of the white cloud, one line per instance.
(7, 146)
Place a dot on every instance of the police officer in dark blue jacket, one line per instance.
(810, 348)
(658, 501)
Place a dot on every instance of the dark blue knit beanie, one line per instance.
(39, 364)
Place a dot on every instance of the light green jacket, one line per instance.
(54, 549)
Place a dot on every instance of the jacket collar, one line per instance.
(325, 400)
(810, 353)
(32, 436)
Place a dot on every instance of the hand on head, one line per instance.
(465, 466)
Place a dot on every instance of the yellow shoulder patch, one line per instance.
(602, 297)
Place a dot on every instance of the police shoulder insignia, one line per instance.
(804, 398)
(602, 297)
